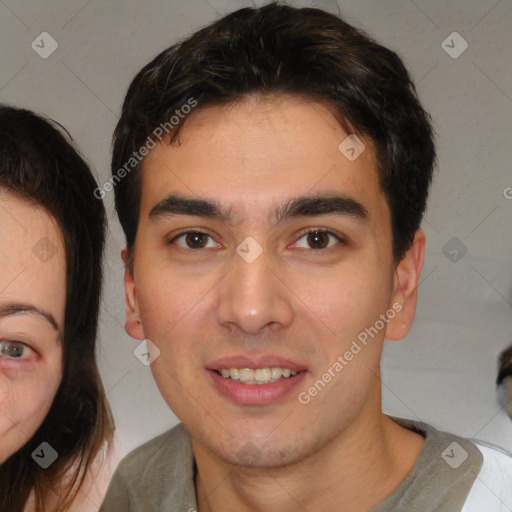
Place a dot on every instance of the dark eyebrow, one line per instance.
(175, 204)
(16, 308)
(326, 204)
(321, 205)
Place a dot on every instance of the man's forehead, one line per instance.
(204, 180)
(281, 122)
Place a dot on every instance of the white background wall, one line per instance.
(444, 371)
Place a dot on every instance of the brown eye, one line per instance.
(319, 239)
(194, 240)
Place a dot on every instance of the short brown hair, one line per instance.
(282, 49)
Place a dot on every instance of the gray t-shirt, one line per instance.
(159, 475)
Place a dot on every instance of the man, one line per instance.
(271, 173)
(504, 379)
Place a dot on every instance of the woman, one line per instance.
(55, 421)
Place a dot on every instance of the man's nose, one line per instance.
(253, 296)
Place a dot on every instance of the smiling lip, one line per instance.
(255, 362)
(255, 394)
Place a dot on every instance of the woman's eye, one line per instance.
(318, 239)
(195, 240)
(13, 349)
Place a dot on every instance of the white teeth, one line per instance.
(258, 376)
(275, 373)
(245, 374)
(262, 374)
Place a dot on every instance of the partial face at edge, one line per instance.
(304, 299)
(30, 348)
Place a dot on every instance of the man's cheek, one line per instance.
(177, 385)
(158, 316)
(172, 364)
(165, 304)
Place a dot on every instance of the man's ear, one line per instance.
(133, 324)
(406, 282)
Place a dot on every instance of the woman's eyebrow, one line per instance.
(16, 308)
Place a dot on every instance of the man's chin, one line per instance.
(247, 449)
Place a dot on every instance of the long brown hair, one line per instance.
(39, 164)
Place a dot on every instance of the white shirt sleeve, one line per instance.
(492, 490)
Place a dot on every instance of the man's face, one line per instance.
(256, 292)
(32, 308)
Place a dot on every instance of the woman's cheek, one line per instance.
(27, 398)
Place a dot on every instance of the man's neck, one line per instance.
(354, 473)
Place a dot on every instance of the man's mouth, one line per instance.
(257, 375)
(257, 379)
